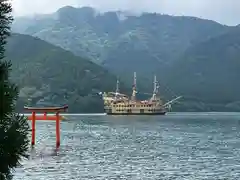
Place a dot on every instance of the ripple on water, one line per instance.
(104, 148)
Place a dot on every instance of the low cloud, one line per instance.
(223, 11)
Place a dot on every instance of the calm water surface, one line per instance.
(175, 146)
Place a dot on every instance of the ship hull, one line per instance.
(135, 111)
(148, 114)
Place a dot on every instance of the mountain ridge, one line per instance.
(209, 71)
(49, 75)
(93, 35)
(176, 49)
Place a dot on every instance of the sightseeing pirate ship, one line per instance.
(116, 103)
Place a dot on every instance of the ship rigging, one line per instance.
(116, 103)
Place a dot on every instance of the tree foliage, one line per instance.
(13, 127)
(48, 75)
(193, 57)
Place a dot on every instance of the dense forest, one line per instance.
(193, 57)
(49, 75)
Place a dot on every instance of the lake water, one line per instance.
(180, 146)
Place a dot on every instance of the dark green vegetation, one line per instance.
(13, 127)
(208, 73)
(191, 56)
(119, 40)
(49, 75)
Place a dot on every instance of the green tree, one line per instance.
(13, 127)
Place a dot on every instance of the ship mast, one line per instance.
(134, 89)
(155, 89)
(117, 89)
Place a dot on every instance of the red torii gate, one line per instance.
(46, 110)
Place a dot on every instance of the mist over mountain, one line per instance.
(181, 50)
(224, 11)
(96, 36)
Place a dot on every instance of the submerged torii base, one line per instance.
(46, 110)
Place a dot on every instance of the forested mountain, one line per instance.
(49, 75)
(208, 73)
(118, 40)
(193, 57)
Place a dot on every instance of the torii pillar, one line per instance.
(46, 110)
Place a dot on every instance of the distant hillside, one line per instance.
(49, 75)
(208, 73)
(121, 42)
(196, 58)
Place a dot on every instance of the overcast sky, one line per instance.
(223, 11)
